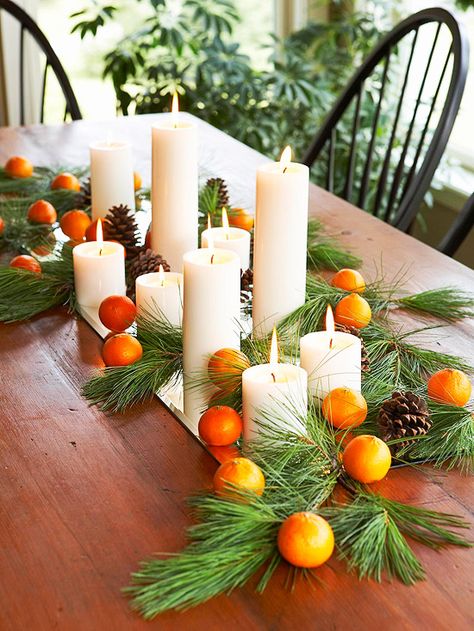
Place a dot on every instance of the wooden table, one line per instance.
(84, 497)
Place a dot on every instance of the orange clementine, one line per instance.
(344, 407)
(349, 279)
(117, 313)
(223, 453)
(367, 459)
(74, 224)
(240, 218)
(24, 261)
(240, 472)
(353, 310)
(66, 181)
(121, 350)
(450, 386)
(225, 368)
(47, 246)
(305, 540)
(2, 226)
(17, 166)
(220, 425)
(42, 211)
(91, 231)
(137, 181)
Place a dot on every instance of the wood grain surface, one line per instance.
(84, 496)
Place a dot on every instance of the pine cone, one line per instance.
(85, 198)
(246, 285)
(120, 225)
(147, 261)
(222, 192)
(405, 414)
(355, 331)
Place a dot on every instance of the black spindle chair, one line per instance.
(385, 136)
(459, 229)
(29, 25)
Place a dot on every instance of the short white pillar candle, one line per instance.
(229, 238)
(332, 359)
(275, 388)
(162, 291)
(111, 177)
(99, 270)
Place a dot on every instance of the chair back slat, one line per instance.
(375, 123)
(459, 229)
(394, 118)
(349, 183)
(27, 24)
(43, 90)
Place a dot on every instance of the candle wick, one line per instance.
(100, 252)
(212, 259)
(330, 342)
(273, 377)
(284, 170)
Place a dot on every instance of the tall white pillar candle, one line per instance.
(162, 291)
(99, 271)
(111, 177)
(234, 239)
(174, 189)
(332, 359)
(275, 393)
(211, 314)
(281, 233)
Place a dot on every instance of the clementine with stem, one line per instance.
(24, 261)
(349, 279)
(225, 368)
(220, 426)
(121, 350)
(344, 408)
(305, 540)
(450, 386)
(66, 181)
(74, 224)
(42, 211)
(117, 313)
(18, 166)
(353, 310)
(240, 472)
(367, 459)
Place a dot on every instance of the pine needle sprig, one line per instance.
(324, 251)
(116, 389)
(36, 185)
(19, 234)
(446, 303)
(370, 533)
(450, 440)
(233, 540)
(24, 294)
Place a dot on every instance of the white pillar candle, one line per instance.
(278, 389)
(281, 234)
(332, 359)
(111, 177)
(99, 270)
(162, 291)
(174, 189)
(234, 239)
(211, 314)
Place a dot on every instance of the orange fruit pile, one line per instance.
(225, 368)
(121, 350)
(2, 226)
(367, 459)
(240, 472)
(17, 166)
(42, 211)
(353, 310)
(305, 540)
(450, 386)
(117, 313)
(24, 261)
(74, 224)
(344, 408)
(349, 280)
(220, 426)
(66, 181)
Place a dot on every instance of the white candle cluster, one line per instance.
(205, 298)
